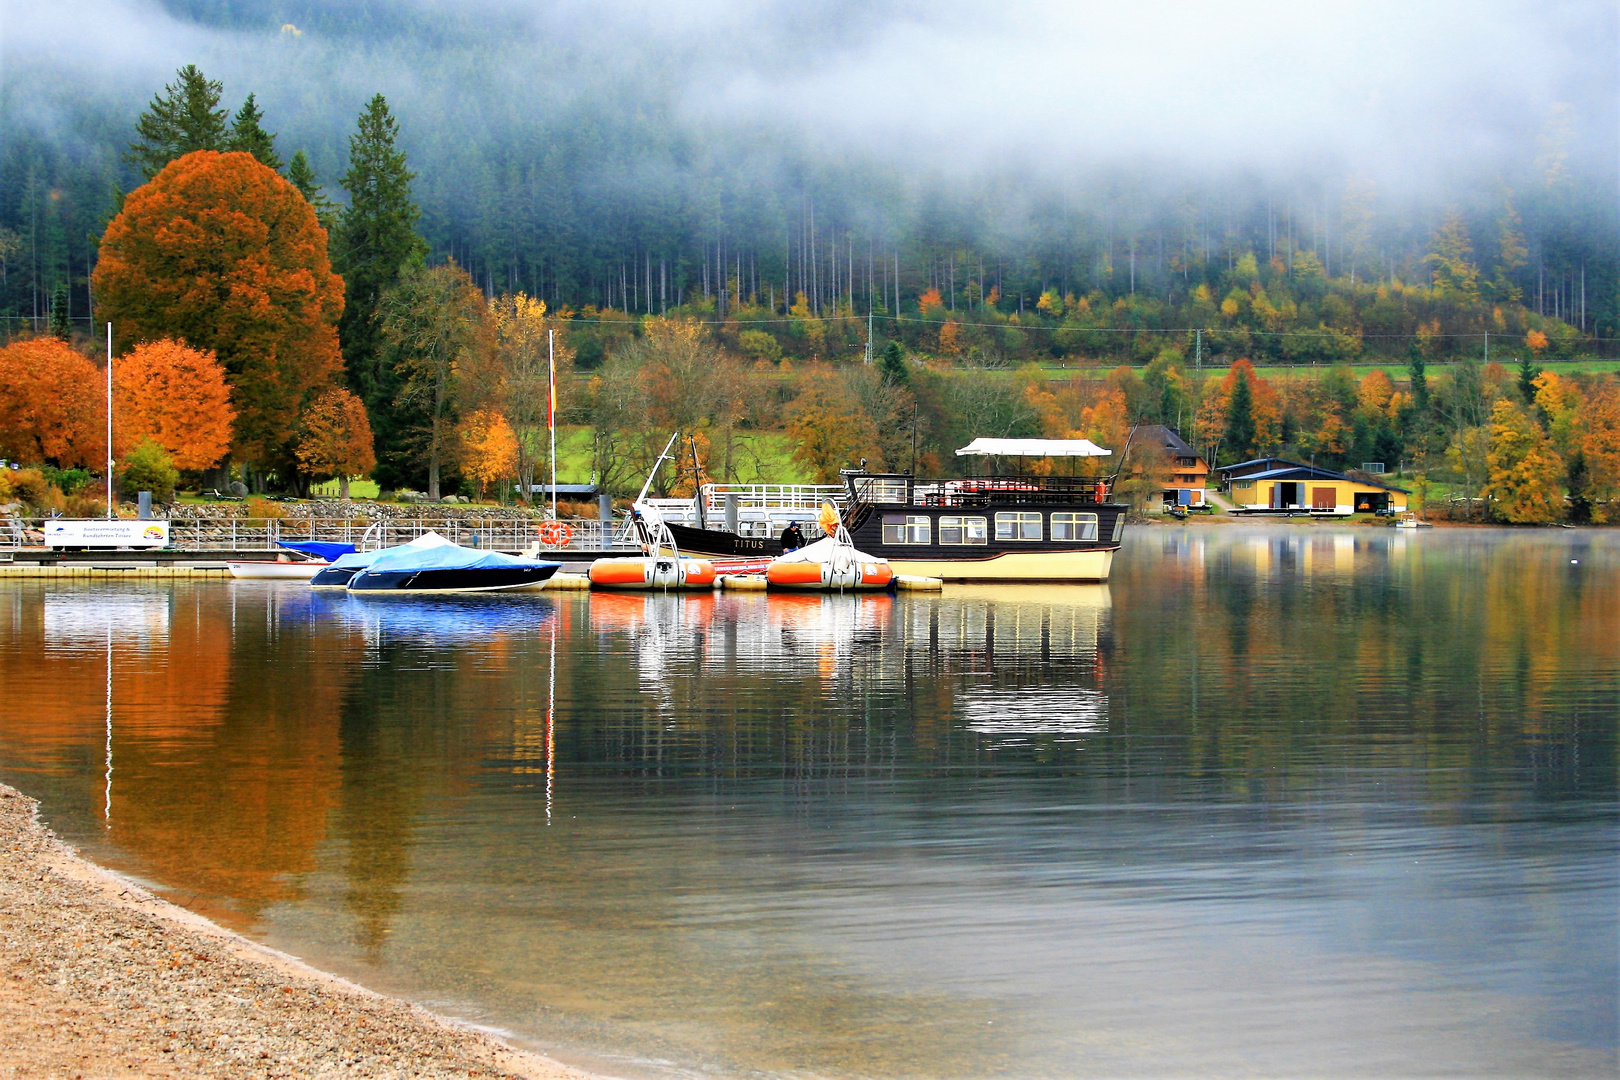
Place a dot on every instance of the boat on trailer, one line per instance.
(1017, 526)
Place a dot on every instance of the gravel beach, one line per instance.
(99, 978)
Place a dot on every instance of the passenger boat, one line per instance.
(1017, 527)
(432, 564)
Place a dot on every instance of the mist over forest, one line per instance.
(643, 155)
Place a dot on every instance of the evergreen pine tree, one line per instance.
(248, 134)
(302, 176)
(892, 364)
(1420, 381)
(1240, 418)
(1527, 379)
(60, 326)
(185, 117)
(375, 241)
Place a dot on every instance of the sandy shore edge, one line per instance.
(98, 977)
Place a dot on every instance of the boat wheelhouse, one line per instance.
(1019, 527)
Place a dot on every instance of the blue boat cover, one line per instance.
(318, 548)
(433, 552)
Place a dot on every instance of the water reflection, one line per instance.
(1276, 801)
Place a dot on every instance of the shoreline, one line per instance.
(98, 975)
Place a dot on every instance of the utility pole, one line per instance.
(551, 411)
(869, 336)
(1198, 349)
(109, 425)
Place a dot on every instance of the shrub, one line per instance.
(70, 481)
(27, 486)
(148, 467)
(83, 506)
(257, 507)
(759, 345)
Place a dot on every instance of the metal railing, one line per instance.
(773, 496)
(259, 534)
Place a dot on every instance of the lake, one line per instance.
(1275, 801)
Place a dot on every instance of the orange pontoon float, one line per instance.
(662, 567)
(831, 564)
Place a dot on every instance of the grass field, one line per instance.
(1394, 369)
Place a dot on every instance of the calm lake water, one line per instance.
(1273, 802)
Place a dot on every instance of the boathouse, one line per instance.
(1278, 486)
(1186, 471)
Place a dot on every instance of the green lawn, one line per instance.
(757, 458)
(1394, 369)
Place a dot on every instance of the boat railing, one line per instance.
(772, 496)
(976, 491)
(263, 534)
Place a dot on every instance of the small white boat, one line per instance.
(275, 570)
(1412, 521)
(315, 557)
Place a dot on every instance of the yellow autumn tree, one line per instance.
(522, 354)
(489, 447)
(1524, 474)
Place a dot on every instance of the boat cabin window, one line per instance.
(1067, 526)
(962, 530)
(906, 528)
(1119, 528)
(1018, 525)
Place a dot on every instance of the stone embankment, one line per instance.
(99, 978)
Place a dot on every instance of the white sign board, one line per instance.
(95, 532)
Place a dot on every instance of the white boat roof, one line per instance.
(1033, 448)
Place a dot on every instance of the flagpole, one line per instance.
(109, 425)
(551, 412)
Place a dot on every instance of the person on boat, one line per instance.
(792, 538)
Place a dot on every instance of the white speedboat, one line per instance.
(307, 559)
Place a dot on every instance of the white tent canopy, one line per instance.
(1033, 448)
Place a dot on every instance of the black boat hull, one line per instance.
(489, 579)
(992, 559)
(333, 577)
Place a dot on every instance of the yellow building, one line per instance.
(1287, 487)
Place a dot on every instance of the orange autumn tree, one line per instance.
(175, 396)
(489, 447)
(1256, 424)
(336, 439)
(830, 429)
(221, 252)
(52, 404)
(1597, 423)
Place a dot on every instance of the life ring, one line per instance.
(556, 533)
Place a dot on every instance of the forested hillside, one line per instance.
(583, 168)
